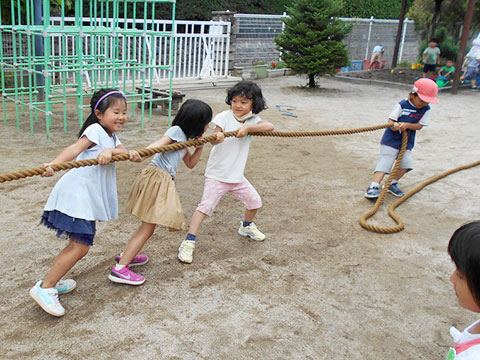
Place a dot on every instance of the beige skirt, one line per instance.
(154, 199)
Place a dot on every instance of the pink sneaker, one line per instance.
(138, 260)
(126, 276)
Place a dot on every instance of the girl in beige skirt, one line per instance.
(154, 198)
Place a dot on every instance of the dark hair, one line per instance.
(192, 117)
(102, 106)
(433, 40)
(464, 249)
(250, 90)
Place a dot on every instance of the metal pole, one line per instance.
(403, 40)
(399, 33)
(39, 49)
(368, 39)
(467, 22)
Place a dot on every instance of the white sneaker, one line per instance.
(47, 299)
(251, 231)
(185, 251)
(65, 286)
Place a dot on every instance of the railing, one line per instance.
(201, 47)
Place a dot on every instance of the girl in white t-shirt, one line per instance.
(464, 249)
(226, 164)
(83, 195)
(154, 198)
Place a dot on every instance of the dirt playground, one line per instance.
(318, 287)
(398, 75)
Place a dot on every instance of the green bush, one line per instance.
(403, 64)
(385, 9)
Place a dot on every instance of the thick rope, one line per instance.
(177, 146)
(369, 214)
(391, 210)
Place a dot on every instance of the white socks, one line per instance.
(377, 185)
(119, 267)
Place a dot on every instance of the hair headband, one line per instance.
(108, 94)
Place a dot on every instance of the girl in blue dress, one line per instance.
(83, 195)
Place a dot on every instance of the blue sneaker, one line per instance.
(395, 190)
(372, 192)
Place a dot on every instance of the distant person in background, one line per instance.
(472, 59)
(377, 55)
(448, 70)
(431, 58)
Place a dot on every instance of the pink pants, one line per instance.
(213, 191)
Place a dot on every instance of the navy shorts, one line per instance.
(429, 67)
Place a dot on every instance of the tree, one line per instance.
(435, 18)
(380, 9)
(311, 42)
(7, 10)
(432, 14)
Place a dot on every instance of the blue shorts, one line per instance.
(79, 230)
(387, 158)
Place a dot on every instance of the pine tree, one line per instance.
(311, 42)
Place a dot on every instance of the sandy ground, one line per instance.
(319, 287)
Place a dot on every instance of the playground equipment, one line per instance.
(60, 61)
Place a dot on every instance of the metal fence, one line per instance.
(366, 33)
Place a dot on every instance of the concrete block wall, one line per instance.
(252, 38)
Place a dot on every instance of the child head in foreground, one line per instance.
(464, 249)
(424, 92)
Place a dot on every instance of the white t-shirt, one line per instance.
(89, 192)
(397, 112)
(227, 160)
(473, 352)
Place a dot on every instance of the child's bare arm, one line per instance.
(260, 126)
(106, 155)
(162, 141)
(68, 154)
(191, 159)
(220, 137)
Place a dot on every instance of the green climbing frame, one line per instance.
(82, 54)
